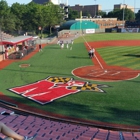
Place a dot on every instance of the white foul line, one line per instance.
(95, 55)
(116, 73)
(91, 74)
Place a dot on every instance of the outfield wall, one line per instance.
(45, 40)
(122, 30)
(108, 30)
(73, 32)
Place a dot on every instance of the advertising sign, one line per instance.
(90, 31)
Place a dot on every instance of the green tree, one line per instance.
(73, 14)
(30, 17)
(54, 15)
(18, 10)
(4, 8)
(7, 20)
(9, 23)
(138, 15)
(102, 14)
(127, 14)
(43, 16)
(87, 14)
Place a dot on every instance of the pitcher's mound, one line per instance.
(110, 73)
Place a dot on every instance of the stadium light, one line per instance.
(95, 8)
(123, 11)
(134, 8)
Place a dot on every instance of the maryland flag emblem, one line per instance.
(52, 88)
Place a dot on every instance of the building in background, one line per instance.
(91, 9)
(121, 6)
(105, 23)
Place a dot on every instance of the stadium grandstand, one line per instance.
(132, 24)
(51, 128)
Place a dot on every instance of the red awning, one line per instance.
(16, 40)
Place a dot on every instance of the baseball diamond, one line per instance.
(100, 71)
(101, 90)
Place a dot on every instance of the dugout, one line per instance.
(18, 47)
(79, 25)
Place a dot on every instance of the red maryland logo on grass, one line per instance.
(52, 88)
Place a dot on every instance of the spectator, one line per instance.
(40, 48)
(12, 135)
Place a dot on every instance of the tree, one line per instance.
(31, 19)
(129, 15)
(102, 13)
(73, 14)
(4, 8)
(9, 23)
(87, 14)
(42, 16)
(138, 15)
(18, 10)
(55, 15)
(118, 13)
(6, 18)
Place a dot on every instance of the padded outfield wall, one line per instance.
(84, 25)
(78, 25)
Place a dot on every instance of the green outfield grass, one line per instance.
(121, 102)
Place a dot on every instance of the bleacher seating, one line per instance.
(47, 129)
(132, 24)
(5, 36)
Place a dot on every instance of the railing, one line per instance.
(45, 40)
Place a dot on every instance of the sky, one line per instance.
(107, 5)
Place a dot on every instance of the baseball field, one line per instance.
(68, 84)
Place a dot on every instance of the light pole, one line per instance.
(134, 8)
(123, 11)
(95, 8)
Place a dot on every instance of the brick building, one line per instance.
(91, 9)
(105, 23)
(121, 6)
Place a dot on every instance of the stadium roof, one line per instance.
(16, 40)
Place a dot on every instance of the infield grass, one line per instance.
(119, 104)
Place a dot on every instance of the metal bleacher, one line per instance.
(47, 129)
(5, 36)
